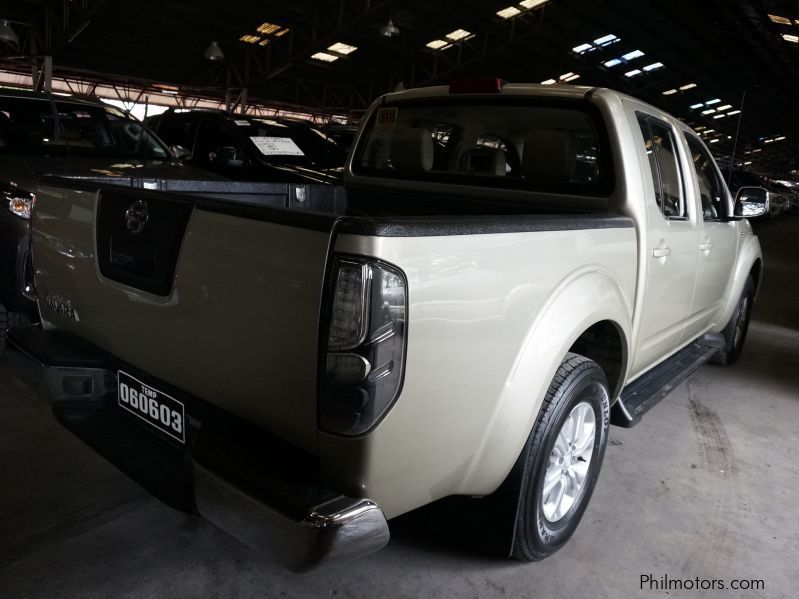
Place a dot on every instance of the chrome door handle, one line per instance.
(704, 247)
(661, 252)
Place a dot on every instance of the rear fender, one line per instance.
(587, 297)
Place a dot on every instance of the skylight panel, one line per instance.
(607, 40)
(342, 48)
(458, 34)
(582, 48)
(548, 82)
(437, 44)
(732, 112)
(687, 86)
(653, 67)
(507, 13)
(794, 39)
(267, 28)
(528, 4)
(325, 57)
(695, 106)
(714, 101)
(565, 76)
(633, 73)
(709, 111)
(780, 20)
(719, 116)
(612, 63)
(714, 141)
(725, 107)
(669, 92)
(632, 55)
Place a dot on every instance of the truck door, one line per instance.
(671, 255)
(718, 239)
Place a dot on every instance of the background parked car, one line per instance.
(252, 148)
(76, 137)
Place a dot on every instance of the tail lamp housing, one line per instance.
(364, 361)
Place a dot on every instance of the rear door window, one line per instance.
(711, 187)
(661, 149)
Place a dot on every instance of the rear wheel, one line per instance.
(737, 327)
(562, 458)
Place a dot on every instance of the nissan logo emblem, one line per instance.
(136, 217)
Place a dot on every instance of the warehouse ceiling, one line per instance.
(702, 61)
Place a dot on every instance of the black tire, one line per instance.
(734, 332)
(578, 381)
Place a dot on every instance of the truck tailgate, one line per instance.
(220, 300)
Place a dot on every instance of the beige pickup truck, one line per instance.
(512, 269)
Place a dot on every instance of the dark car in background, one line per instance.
(252, 148)
(42, 134)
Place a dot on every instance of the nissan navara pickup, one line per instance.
(514, 268)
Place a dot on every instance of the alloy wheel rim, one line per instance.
(569, 462)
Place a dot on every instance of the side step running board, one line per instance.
(644, 393)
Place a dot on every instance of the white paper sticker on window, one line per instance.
(277, 146)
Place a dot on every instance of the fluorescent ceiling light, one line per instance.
(528, 4)
(709, 111)
(794, 39)
(710, 131)
(699, 127)
(719, 116)
(654, 66)
(458, 34)
(695, 106)
(733, 112)
(687, 86)
(714, 141)
(582, 48)
(267, 28)
(565, 76)
(250, 39)
(632, 73)
(282, 32)
(613, 62)
(324, 57)
(632, 55)
(757, 150)
(725, 107)
(263, 42)
(507, 13)
(342, 48)
(780, 20)
(780, 138)
(606, 40)
(437, 44)
(714, 101)
(548, 82)
(747, 163)
(669, 92)
(572, 78)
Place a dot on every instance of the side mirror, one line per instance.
(751, 202)
(179, 152)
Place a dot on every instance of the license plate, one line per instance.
(155, 407)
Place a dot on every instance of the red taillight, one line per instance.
(476, 86)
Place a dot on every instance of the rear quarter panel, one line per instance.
(490, 319)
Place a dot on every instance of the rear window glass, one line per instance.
(557, 147)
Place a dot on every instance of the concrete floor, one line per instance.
(707, 486)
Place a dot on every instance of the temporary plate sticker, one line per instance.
(386, 117)
(155, 407)
(276, 146)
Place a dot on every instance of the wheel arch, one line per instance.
(591, 313)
